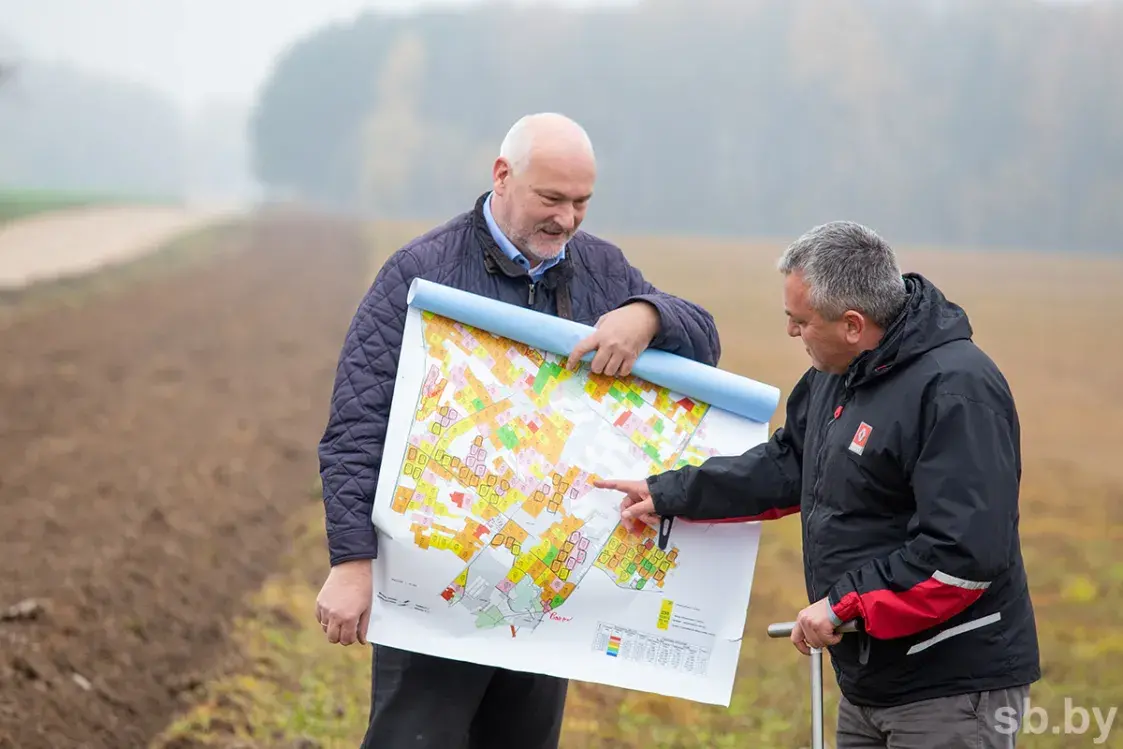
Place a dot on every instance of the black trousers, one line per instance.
(423, 702)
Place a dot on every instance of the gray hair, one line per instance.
(847, 266)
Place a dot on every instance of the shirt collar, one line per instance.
(513, 252)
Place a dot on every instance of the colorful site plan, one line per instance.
(495, 546)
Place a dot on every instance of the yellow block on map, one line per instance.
(665, 614)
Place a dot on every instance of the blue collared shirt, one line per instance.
(512, 251)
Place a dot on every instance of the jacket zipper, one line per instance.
(532, 287)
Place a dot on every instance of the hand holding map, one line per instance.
(619, 338)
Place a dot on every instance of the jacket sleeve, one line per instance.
(350, 450)
(965, 483)
(686, 328)
(763, 483)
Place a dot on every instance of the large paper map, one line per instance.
(495, 546)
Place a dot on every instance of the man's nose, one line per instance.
(566, 217)
(793, 330)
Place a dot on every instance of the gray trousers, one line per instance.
(980, 720)
(423, 702)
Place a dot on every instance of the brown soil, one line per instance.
(153, 443)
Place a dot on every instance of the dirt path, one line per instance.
(152, 445)
(78, 240)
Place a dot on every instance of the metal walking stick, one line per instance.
(784, 629)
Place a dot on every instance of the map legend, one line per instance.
(633, 645)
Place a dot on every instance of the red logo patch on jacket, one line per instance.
(858, 444)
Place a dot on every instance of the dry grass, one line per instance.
(1052, 324)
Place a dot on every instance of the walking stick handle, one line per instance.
(784, 629)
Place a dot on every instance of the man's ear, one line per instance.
(500, 172)
(854, 325)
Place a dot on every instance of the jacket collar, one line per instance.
(927, 320)
(495, 259)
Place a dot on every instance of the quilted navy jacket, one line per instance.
(594, 278)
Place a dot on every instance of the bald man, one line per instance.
(521, 243)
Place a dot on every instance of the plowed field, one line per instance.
(154, 442)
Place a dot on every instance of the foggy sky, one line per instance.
(191, 50)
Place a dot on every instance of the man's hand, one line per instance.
(343, 606)
(814, 628)
(620, 337)
(638, 507)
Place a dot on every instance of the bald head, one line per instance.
(542, 182)
(544, 133)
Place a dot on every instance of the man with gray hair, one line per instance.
(901, 452)
(520, 244)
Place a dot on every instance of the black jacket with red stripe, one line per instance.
(905, 471)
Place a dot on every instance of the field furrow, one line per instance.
(154, 443)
